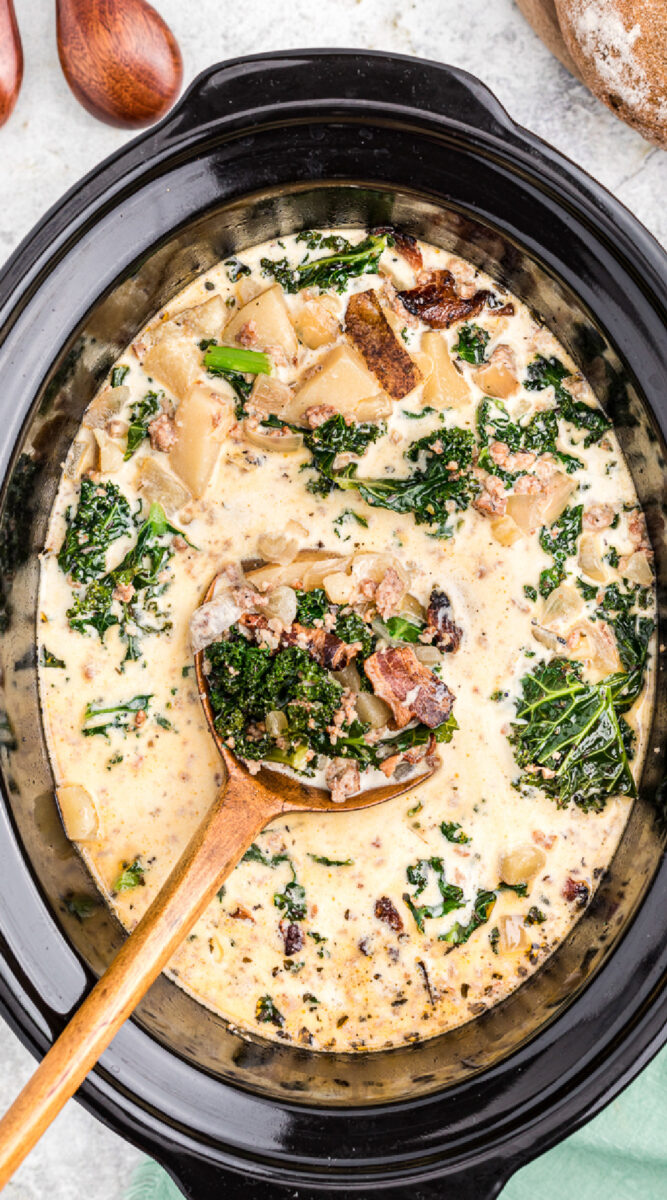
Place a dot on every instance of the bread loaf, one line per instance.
(620, 50)
(543, 17)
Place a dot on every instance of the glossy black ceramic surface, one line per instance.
(260, 147)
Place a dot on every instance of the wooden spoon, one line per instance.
(244, 806)
(11, 60)
(119, 58)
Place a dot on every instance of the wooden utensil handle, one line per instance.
(233, 823)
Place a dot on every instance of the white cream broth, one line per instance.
(356, 982)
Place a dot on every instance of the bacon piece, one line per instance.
(405, 244)
(438, 303)
(408, 687)
(327, 649)
(575, 890)
(446, 635)
(386, 911)
(369, 329)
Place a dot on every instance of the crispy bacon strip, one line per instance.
(446, 635)
(369, 329)
(438, 303)
(327, 649)
(405, 245)
(408, 687)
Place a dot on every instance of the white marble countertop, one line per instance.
(50, 142)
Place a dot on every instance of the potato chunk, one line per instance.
(368, 328)
(445, 387)
(342, 381)
(105, 406)
(160, 486)
(263, 324)
(168, 351)
(203, 320)
(316, 325)
(203, 420)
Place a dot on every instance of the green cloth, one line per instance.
(621, 1155)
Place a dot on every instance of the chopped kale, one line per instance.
(47, 659)
(472, 343)
(255, 854)
(550, 372)
(334, 270)
(575, 732)
(80, 906)
(494, 938)
(292, 900)
(141, 415)
(102, 516)
(534, 916)
(418, 416)
(266, 1011)
(235, 269)
(520, 888)
(118, 376)
(402, 630)
(588, 590)
(529, 591)
(454, 833)
(119, 716)
(128, 595)
(451, 895)
(311, 606)
(131, 876)
(458, 934)
(348, 514)
(331, 862)
(331, 438)
(441, 484)
(537, 436)
(560, 541)
(612, 557)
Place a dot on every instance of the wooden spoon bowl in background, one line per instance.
(11, 60)
(245, 805)
(120, 59)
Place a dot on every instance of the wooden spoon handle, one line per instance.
(235, 819)
(11, 60)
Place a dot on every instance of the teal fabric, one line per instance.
(621, 1155)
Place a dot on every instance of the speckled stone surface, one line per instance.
(51, 142)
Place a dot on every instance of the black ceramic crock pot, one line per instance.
(257, 148)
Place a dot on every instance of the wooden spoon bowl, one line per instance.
(11, 60)
(244, 806)
(120, 59)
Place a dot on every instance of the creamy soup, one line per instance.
(491, 589)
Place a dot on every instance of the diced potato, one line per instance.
(175, 362)
(272, 440)
(594, 645)
(81, 455)
(159, 486)
(562, 605)
(338, 587)
(506, 531)
(269, 320)
(496, 378)
(203, 320)
(105, 406)
(557, 494)
(349, 677)
(203, 421)
(445, 386)
(270, 395)
(316, 325)
(372, 709)
(109, 453)
(78, 812)
(526, 511)
(522, 864)
(638, 569)
(341, 380)
(398, 270)
(590, 558)
(530, 510)
(246, 289)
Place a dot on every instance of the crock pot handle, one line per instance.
(199, 1180)
(341, 80)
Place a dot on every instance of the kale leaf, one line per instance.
(472, 343)
(454, 833)
(141, 415)
(255, 853)
(560, 541)
(102, 516)
(266, 1011)
(139, 577)
(570, 737)
(47, 659)
(458, 934)
(131, 876)
(118, 376)
(334, 270)
(120, 716)
(538, 435)
(334, 437)
(292, 900)
(451, 895)
(550, 372)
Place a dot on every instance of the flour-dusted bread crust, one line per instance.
(620, 50)
(542, 15)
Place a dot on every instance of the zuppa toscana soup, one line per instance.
(429, 549)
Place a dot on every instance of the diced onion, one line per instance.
(78, 812)
(276, 723)
(372, 709)
(281, 603)
(315, 574)
(277, 548)
(287, 443)
(410, 607)
(211, 619)
(547, 637)
(349, 677)
(526, 511)
(638, 569)
(521, 864)
(562, 605)
(430, 656)
(513, 936)
(505, 530)
(590, 558)
(338, 587)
